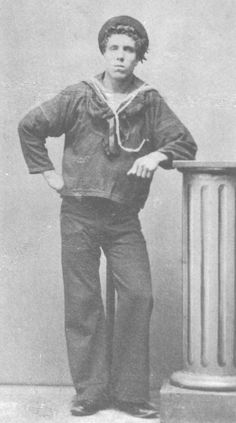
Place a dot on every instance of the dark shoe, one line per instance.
(144, 410)
(88, 407)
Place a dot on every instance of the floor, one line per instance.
(34, 404)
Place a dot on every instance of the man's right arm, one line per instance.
(51, 118)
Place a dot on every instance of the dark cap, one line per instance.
(123, 20)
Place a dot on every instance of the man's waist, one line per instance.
(99, 203)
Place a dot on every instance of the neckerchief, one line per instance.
(114, 145)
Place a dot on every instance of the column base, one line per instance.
(203, 382)
(188, 406)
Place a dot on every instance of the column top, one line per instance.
(205, 166)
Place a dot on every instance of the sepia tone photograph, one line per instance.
(118, 211)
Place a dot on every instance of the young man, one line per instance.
(118, 130)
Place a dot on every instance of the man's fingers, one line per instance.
(144, 173)
(149, 174)
(133, 169)
(140, 170)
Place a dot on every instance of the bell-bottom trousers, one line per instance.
(87, 226)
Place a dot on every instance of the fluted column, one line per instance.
(209, 276)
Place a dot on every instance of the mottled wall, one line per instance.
(47, 45)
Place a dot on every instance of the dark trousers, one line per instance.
(87, 225)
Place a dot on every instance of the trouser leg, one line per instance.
(128, 258)
(84, 312)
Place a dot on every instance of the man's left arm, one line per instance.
(171, 140)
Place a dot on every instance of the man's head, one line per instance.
(128, 26)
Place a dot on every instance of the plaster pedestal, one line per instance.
(209, 294)
(179, 405)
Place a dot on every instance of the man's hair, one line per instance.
(141, 44)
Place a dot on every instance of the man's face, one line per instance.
(120, 56)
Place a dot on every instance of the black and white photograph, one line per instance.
(118, 211)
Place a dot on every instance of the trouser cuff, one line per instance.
(91, 392)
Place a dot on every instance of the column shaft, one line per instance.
(209, 280)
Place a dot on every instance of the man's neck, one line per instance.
(118, 86)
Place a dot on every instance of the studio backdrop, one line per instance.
(45, 47)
